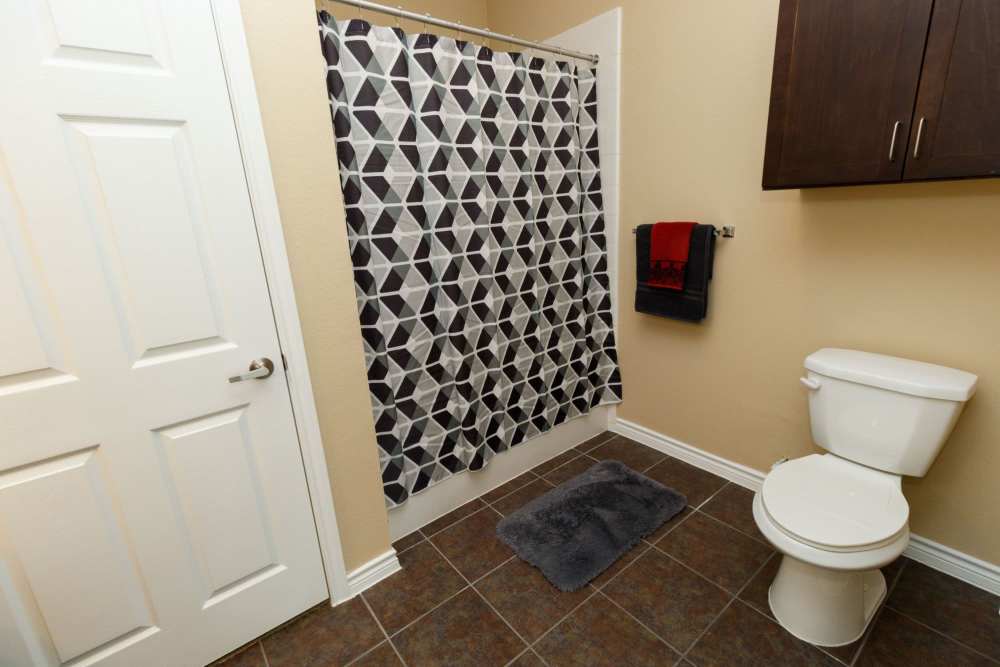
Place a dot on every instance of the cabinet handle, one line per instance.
(892, 142)
(920, 135)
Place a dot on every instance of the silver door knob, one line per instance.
(260, 369)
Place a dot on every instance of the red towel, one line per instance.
(669, 243)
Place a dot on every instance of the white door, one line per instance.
(151, 513)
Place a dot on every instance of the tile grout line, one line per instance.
(471, 584)
(609, 434)
(575, 458)
(675, 527)
(555, 625)
(709, 499)
(821, 649)
(403, 551)
(651, 545)
(535, 476)
(517, 657)
(240, 649)
(497, 509)
(727, 606)
(381, 627)
(886, 605)
(447, 599)
(940, 633)
(890, 586)
(712, 516)
(728, 525)
(624, 567)
(646, 627)
(485, 506)
(354, 661)
(263, 652)
(429, 611)
(702, 576)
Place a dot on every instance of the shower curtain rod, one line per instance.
(451, 25)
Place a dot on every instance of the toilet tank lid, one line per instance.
(893, 373)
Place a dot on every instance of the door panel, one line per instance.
(844, 83)
(36, 356)
(230, 537)
(959, 94)
(82, 32)
(67, 540)
(149, 229)
(151, 513)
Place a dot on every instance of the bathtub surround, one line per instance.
(472, 186)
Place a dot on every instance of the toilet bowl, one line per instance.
(838, 517)
(836, 523)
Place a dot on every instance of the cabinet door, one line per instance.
(844, 83)
(957, 121)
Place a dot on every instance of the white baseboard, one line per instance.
(964, 567)
(372, 572)
(422, 508)
(734, 472)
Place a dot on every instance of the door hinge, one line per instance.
(284, 361)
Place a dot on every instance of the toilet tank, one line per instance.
(883, 412)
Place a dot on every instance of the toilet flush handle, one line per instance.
(810, 384)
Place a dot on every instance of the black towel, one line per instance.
(691, 304)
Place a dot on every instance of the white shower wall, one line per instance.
(600, 35)
(603, 35)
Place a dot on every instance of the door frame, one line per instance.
(267, 219)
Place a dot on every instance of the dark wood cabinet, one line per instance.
(880, 91)
(957, 116)
(845, 78)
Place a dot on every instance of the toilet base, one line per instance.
(823, 606)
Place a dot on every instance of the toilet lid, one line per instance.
(832, 502)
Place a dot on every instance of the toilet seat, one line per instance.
(833, 504)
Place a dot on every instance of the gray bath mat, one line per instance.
(578, 529)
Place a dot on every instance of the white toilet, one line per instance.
(838, 517)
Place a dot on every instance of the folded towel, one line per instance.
(668, 254)
(691, 303)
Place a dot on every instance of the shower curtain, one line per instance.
(473, 199)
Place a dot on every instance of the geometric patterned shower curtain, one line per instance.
(473, 196)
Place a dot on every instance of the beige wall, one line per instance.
(910, 270)
(284, 49)
(466, 12)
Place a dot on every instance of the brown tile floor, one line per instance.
(693, 593)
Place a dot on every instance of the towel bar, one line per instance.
(727, 231)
